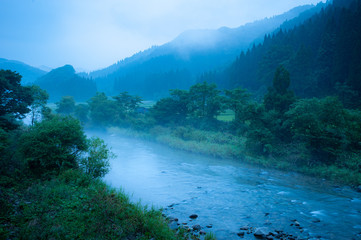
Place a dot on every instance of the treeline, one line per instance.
(50, 172)
(306, 133)
(322, 56)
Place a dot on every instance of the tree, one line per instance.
(40, 97)
(237, 101)
(14, 99)
(278, 97)
(102, 110)
(53, 145)
(205, 101)
(81, 112)
(66, 106)
(127, 103)
(321, 125)
(96, 162)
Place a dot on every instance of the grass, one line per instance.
(227, 116)
(73, 206)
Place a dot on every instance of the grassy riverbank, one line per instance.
(225, 145)
(74, 206)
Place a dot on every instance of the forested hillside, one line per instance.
(178, 63)
(322, 56)
(30, 74)
(64, 82)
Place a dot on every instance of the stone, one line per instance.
(358, 189)
(209, 226)
(193, 216)
(297, 224)
(245, 228)
(196, 227)
(316, 220)
(201, 232)
(261, 233)
(240, 234)
(269, 238)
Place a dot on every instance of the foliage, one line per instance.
(102, 110)
(14, 99)
(96, 161)
(173, 109)
(40, 97)
(126, 103)
(81, 112)
(321, 54)
(205, 101)
(237, 101)
(66, 106)
(53, 145)
(278, 97)
(321, 125)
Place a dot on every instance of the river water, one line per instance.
(228, 194)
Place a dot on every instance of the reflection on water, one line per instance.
(229, 194)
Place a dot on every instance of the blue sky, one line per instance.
(92, 34)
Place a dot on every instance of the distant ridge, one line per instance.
(29, 74)
(179, 63)
(64, 81)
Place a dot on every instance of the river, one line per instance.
(228, 194)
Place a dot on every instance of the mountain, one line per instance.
(177, 64)
(29, 74)
(64, 81)
(323, 56)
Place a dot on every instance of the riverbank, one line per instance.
(225, 145)
(74, 206)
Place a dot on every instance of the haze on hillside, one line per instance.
(95, 34)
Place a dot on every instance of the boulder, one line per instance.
(193, 216)
(241, 234)
(261, 233)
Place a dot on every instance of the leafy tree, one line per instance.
(66, 106)
(127, 103)
(172, 109)
(205, 101)
(14, 99)
(40, 97)
(53, 145)
(96, 162)
(237, 101)
(102, 110)
(320, 124)
(81, 112)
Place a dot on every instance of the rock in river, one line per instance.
(193, 216)
(261, 233)
(196, 227)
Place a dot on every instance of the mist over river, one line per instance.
(228, 194)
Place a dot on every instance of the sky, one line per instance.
(93, 34)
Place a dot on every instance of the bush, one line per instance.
(53, 145)
(96, 162)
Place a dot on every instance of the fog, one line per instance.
(95, 34)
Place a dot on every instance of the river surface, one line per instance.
(228, 194)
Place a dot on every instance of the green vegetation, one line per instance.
(50, 185)
(313, 136)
